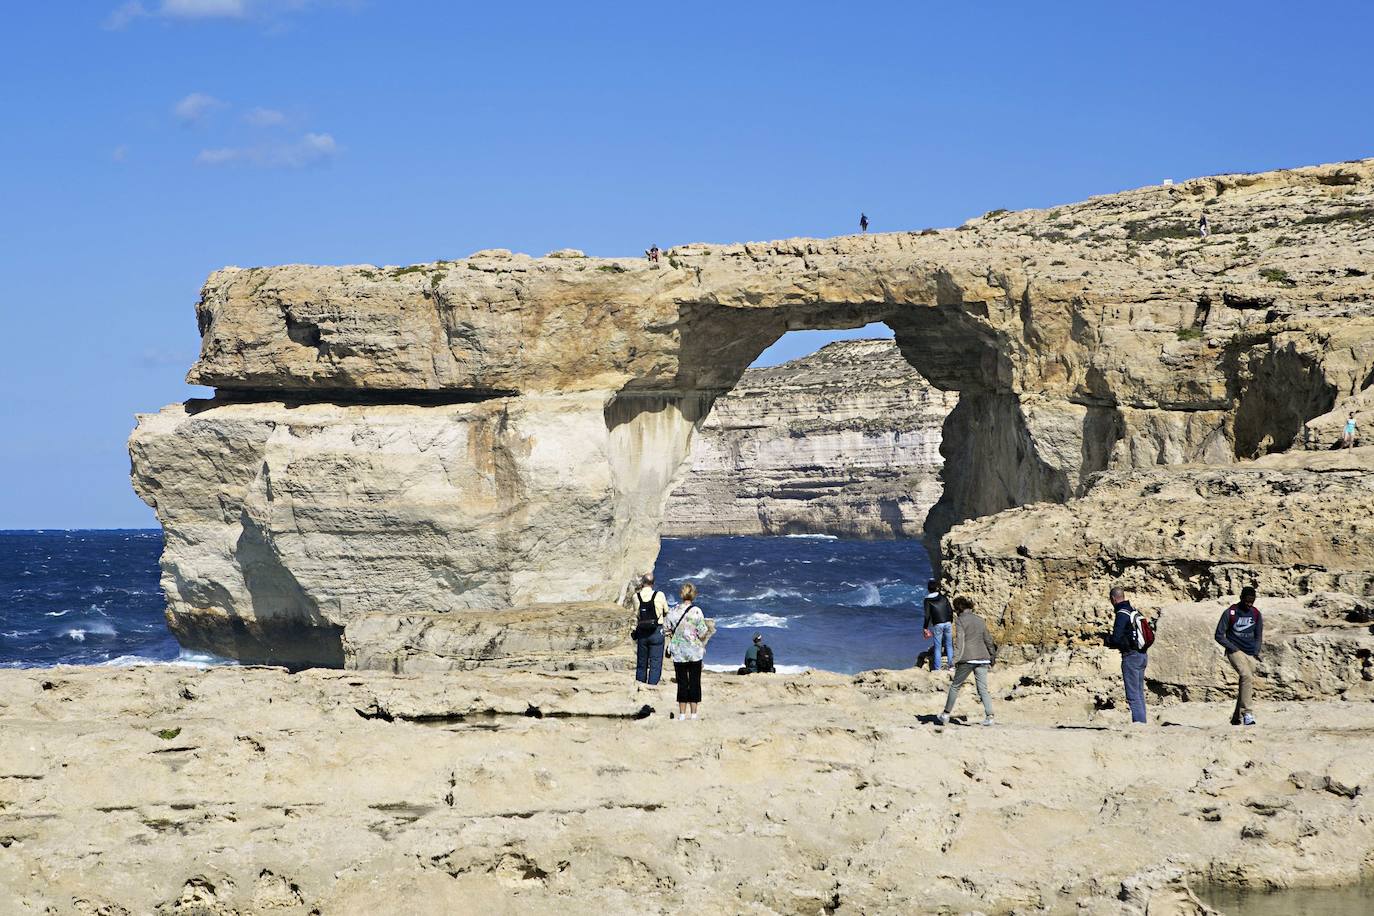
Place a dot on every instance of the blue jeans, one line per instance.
(649, 657)
(944, 643)
(1133, 674)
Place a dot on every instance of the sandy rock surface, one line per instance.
(240, 790)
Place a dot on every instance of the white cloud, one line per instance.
(185, 10)
(194, 107)
(204, 9)
(311, 149)
(125, 14)
(264, 117)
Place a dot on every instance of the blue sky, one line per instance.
(148, 143)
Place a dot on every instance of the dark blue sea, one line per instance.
(92, 598)
(818, 601)
(83, 598)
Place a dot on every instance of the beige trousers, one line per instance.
(1245, 669)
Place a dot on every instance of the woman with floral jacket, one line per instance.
(687, 631)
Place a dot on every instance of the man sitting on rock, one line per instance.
(1240, 631)
(758, 658)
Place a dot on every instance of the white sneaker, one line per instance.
(943, 718)
(988, 720)
(695, 716)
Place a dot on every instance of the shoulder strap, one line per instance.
(682, 617)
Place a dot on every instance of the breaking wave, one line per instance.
(751, 621)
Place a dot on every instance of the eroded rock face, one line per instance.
(1291, 524)
(285, 524)
(845, 441)
(1099, 336)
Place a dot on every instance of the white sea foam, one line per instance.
(780, 669)
(819, 537)
(57, 613)
(706, 573)
(774, 593)
(751, 621)
(79, 634)
(866, 595)
(185, 660)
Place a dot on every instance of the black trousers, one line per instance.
(688, 681)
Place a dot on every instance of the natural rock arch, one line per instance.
(444, 441)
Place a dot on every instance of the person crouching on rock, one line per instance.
(976, 653)
(652, 607)
(1240, 631)
(688, 631)
(1132, 636)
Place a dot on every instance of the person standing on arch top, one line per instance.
(939, 625)
(1240, 631)
(1132, 636)
(863, 222)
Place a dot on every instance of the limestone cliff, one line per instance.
(501, 430)
(845, 441)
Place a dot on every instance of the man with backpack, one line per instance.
(650, 609)
(758, 658)
(1132, 636)
(1240, 631)
(939, 624)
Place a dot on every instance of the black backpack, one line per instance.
(647, 620)
(765, 660)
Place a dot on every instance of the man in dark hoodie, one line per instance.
(939, 624)
(1240, 631)
(1133, 658)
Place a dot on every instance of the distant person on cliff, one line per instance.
(651, 608)
(758, 658)
(1132, 636)
(863, 222)
(1348, 436)
(653, 254)
(688, 631)
(939, 625)
(1202, 228)
(1240, 631)
(977, 652)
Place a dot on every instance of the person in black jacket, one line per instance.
(1240, 631)
(1133, 658)
(939, 624)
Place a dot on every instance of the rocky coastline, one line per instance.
(503, 432)
(446, 473)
